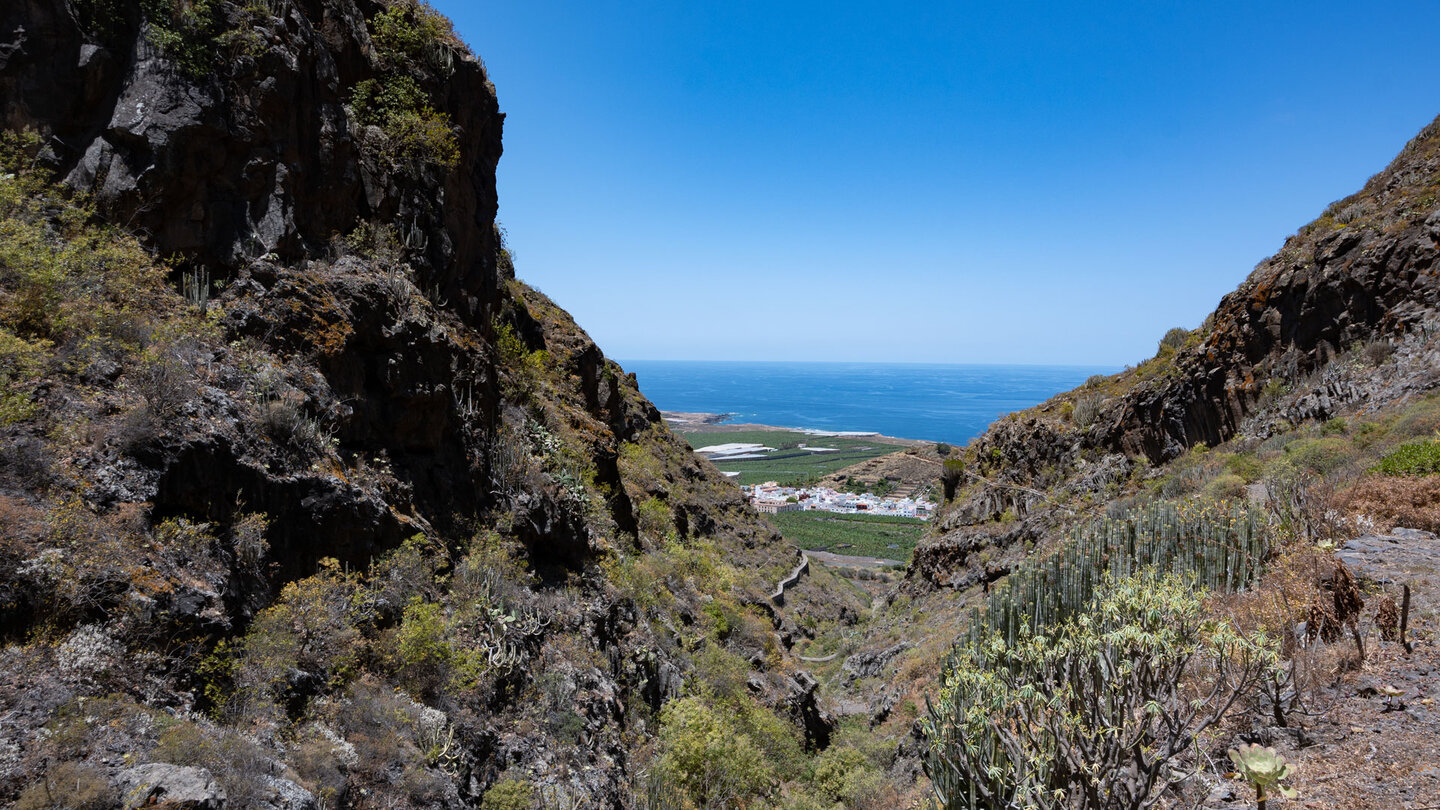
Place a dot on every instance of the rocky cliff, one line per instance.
(307, 502)
(225, 132)
(1362, 278)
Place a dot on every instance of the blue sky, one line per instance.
(997, 182)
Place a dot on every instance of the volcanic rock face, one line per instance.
(355, 424)
(245, 170)
(257, 155)
(1365, 272)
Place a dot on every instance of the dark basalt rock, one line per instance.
(258, 156)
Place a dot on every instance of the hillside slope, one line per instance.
(1363, 274)
(1284, 455)
(307, 502)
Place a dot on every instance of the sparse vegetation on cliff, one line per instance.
(361, 521)
(411, 39)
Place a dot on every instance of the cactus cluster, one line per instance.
(1073, 668)
(1093, 712)
(1219, 546)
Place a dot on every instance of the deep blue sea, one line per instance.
(949, 403)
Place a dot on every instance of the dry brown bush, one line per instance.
(1283, 597)
(1335, 606)
(1380, 502)
(1387, 618)
(1292, 585)
(68, 786)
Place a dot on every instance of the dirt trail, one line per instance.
(847, 561)
(1375, 741)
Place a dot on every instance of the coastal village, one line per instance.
(770, 498)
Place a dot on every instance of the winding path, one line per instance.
(778, 597)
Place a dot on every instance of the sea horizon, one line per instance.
(940, 402)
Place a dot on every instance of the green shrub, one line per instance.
(709, 756)
(508, 794)
(523, 369)
(1248, 467)
(311, 628)
(1092, 713)
(21, 364)
(723, 618)
(654, 519)
(1321, 456)
(375, 102)
(187, 31)
(1367, 433)
(1227, 486)
(1172, 342)
(423, 654)
(414, 133)
(422, 137)
(406, 31)
(1421, 419)
(1274, 389)
(1412, 458)
(1334, 427)
(64, 279)
(846, 775)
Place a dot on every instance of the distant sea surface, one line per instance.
(943, 403)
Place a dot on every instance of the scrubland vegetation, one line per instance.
(1185, 597)
(308, 535)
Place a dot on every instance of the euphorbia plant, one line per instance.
(1264, 769)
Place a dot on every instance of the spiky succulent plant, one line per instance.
(1263, 768)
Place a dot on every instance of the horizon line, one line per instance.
(1116, 368)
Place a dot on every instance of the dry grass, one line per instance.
(1377, 503)
(1290, 592)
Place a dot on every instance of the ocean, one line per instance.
(942, 403)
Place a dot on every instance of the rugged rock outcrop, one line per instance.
(358, 489)
(1364, 273)
(246, 148)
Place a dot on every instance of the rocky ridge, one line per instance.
(1363, 274)
(356, 518)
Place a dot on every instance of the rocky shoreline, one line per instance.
(698, 422)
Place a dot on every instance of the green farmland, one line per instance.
(789, 463)
(890, 538)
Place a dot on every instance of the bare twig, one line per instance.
(1405, 622)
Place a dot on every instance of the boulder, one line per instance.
(175, 787)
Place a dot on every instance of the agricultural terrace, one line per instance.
(890, 538)
(790, 457)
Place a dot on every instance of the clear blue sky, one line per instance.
(1001, 182)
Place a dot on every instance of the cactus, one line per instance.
(1218, 546)
(1093, 712)
(440, 749)
(1206, 545)
(1264, 769)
